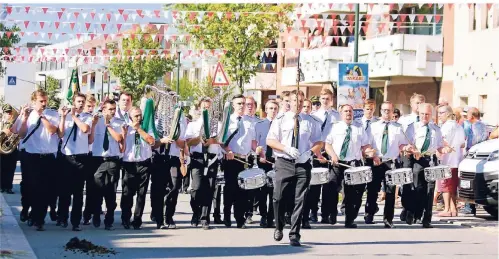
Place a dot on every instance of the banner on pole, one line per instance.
(353, 86)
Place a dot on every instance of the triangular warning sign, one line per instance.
(220, 79)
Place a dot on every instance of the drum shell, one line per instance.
(320, 176)
(399, 176)
(253, 178)
(220, 179)
(435, 173)
(270, 178)
(358, 175)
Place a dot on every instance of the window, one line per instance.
(482, 103)
(185, 73)
(463, 100)
(197, 74)
(473, 17)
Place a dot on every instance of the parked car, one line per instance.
(479, 175)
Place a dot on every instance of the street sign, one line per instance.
(11, 80)
(219, 78)
(353, 86)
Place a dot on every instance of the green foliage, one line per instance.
(186, 88)
(8, 42)
(243, 38)
(135, 74)
(198, 89)
(52, 88)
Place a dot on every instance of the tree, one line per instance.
(243, 37)
(135, 74)
(53, 89)
(7, 41)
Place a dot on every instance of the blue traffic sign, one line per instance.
(11, 80)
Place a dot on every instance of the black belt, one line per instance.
(41, 155)
(293, 160)
(145, 162)
(108, 158)
(348, 162)
(77, 155)
(198, 155)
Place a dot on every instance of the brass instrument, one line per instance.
(212, 116)
(224, 130)
(168, 113)
(9, 143)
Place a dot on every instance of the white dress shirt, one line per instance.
(145, 149)
(120, 114)
(80, 145)
(453, 135)
(406, 120)
(194, 129)
(330, 117)
(241, 142)
(41, 141)
(261, 131)
(283, 127)
(174, 148)
(364, 120)
(395, 138)
(358, 139)
(98, 145)
(420, 135)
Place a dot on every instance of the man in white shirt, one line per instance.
(427, 140)
(106, 138)
(265, 161)
(368, 118)
(89, 179)
(240, 134)
(136, 167)
(204, 166)
(347, 144)
(284, 103)
(294, 137)
(124, 105)
(327, 116)
(388, 140)
(74, 130)
(37, 127)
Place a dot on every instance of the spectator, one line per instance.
(396, 115)
(316, 39)
(307, 106)
(316, 104)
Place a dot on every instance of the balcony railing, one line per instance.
(266, 68)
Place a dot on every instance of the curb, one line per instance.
(12, 237)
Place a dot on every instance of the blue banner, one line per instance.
(353, 86)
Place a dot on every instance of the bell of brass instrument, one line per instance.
(224, 130)
(8, 143)
(168, 115)
(212, 116)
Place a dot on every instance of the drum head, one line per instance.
(319, 170)
(252, 172)
(357, 169)
(402, 170)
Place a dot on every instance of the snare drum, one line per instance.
(434, 173)
(252, 178)
(358, 175)
(220, 180)
(270, 178)
(399, 176)
(320, 176)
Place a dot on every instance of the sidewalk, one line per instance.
(13, 243)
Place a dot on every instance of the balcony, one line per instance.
(318, 66)
(403, 55)
(262, 81)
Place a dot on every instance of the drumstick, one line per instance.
(336, 163)
(241, 161)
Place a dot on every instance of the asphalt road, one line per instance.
(446, 240)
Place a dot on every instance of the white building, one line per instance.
(23, 74)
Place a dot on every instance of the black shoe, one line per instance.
(9, 191)
(409, 218)
(313, 217)
(427, 225)
(217, 220)
(24, 216)
(332, 220)
(369, 219)
(325, 220)
(242, 226)
(30, 223)
(86, 221)
(96, 221)
(206, 225)
(270, 224)
(194, 221)
(76, 228)
(278, 235)
(294, 242)
(227, 222)
(136, 226)
(249, 220)
(263, 222)
(418, 221)
(64, 224)
(126, 224)
(403, 215)
(388, 224)
(40, 228)
(53, 215)
(109, 227)
(153, 219)
(288, 219)
(306, 225)
(171, 224)
(350, 225)
(58, 224)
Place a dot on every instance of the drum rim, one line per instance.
(320, 169)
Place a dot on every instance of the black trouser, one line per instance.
(353, 193)
(233, 195)
(90, 188)
(105, 180)
(374, 187)
(135, 182)
(186, 181)
(71, 183)
(217, 198)
(8, 163)
(419, 195)
(24, 181)
(203, 186)
(291, 183)
(160, 180)
(172, 166)
(40, 184)
(266, 191)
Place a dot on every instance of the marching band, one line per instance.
(279, 164)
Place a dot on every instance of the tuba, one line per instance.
(168, 112)
(8, 143)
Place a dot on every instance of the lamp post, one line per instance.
(178, 72)
(356, 43)
(45, 85)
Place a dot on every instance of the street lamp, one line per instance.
(45, 76)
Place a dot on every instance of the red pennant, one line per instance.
(330, 6)
(118, 25)
(450, 5)
(57, 25)
(103, 26)
(26, 9)
(350, 28)
(228, 15)
(370, 6)
(42, 24)
(26, 23)
(225, 51)
(128, 52)
(93, 15)
(403, 17)
(192, 15)
(6, 49)
(132, 36)
(9, 9)
(298, 15)
(87, 25)
(335, 39)
(303, 22)
(430, 5)
(139, 12)
(18, 50)
(125, 17)
(368, 17)
(437, 18)
(420, 18)
(310, 5)
(9, 33)
(399, 23)
(63, 9)
(30, 58)
(210, 14)
(121, 11)
(79, 51)
(296, 38)
(50, 35)
(213, 52)
(156, 12)
(289, 29)
(469, 6)
(76, 14)
(105, 36)
(72, 25)
(108, 15)
(92, 36)
(381, 27)
(29, 50)
(36, 33)
(44, 10)
(390, 6)
(42, 50)
(350, 17)
(55, 51)
(489, 6)
(22, 33)
(67, 51)
(350, 6)
(188, 38)
(78, 35)
(59, 14)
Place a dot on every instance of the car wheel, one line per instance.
(491, 210)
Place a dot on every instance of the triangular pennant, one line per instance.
(84, 15)
(78, 35)
(139, 12)
(125, 17)
(26, 23)
(390, 6)
(420, 18)
(59, 14)
(92, 14)
(57, 24)
(428, 18)
(92, 36)
(26, 9)
(450, 5)
(44, 9)
(105, 36)
(56, 36)
(220, 14)
(117, 16)
(437, 18)
(118, 26)
(9, 9)
(76, 15)
(87, 25)
(108, 16)
(411, 17)
(394, 16)
(381, 26)
(121, 11)
(72, 25)
(228, 15)
(103, 26)
(100, 16)
(400, 5)
(236, 15)
(156, 13)
(371, 5)
(68, 16)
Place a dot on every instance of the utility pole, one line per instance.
(178, 72)
(356, 43)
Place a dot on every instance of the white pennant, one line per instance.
(42, 34)
(139, 36)
(117, 16)
(100, 16)
(68, 15)
(342, 28)
(342, 16)
(237, 14)
(412, 17)
(18, 9)
(440, 5)
(200, 16)
(153, 37)
(343, 38)
(158, 26)
(400, 6)
(143, 27)
(420, 5)
(181, 37)
(84, 15)
(165, 14)
(28, 33)
(429, 17)
(395, 16)
(134, 16)
(219, 14)
(148, 13)
(112, 35)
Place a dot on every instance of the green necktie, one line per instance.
(346, 142)
(426, 143)
(137, 144)
(384, 141)
(105, 145)
(268, 152)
